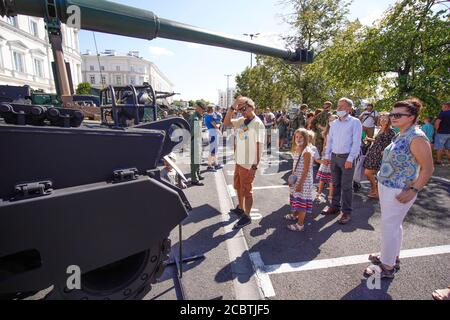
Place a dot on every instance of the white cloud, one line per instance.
(158, 51)
(193, 45)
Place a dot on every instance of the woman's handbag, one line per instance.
(292, 180)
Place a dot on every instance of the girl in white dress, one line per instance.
(301, 183)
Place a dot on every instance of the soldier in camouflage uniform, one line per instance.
(300, 119)
(319, 124)
(195, 122)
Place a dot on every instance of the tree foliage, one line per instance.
(84, 88)
(403, 54)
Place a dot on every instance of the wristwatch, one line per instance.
(414, 189)
(254, 167)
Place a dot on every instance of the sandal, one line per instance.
(375, 259)
(373, 194)
(379, 270)
(290, 217)
(442, 294)
(295, 227)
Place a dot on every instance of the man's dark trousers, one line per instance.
(342, 183)
(195, 166)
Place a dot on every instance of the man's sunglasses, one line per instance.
(243, 109)
(399, 115)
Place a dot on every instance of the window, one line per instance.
(92, 79)
(38, 68)
(119, 80)
(91, 68)
(132, 68)
(103, 80)
(18, 62)
(117, 68)
(102, 68)
(13, 21)
(133, 80)
(34, 28)
(141, 80)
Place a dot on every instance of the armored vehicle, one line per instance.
(86, 197)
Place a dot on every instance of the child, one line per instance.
(316, 154)
(301, 182)
(428, 129)
(170, 175)
(324, 174)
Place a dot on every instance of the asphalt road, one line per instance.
(425, 228)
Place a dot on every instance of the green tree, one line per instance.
(404, 54)
(315, 23)
(84, 88)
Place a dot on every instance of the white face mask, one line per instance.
(342, 114)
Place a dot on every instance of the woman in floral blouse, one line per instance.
(406, 168)
(373, 159)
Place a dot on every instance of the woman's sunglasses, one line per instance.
(399, 115)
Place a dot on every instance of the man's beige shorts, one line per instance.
(243, 181)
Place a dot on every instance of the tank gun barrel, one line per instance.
(113, 18)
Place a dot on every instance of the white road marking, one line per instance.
(350, 260)
(236, 246)
(256, 216)
(231, 191)
(270, 187)
(262, 277)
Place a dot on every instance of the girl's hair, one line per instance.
(413, 105)
(306, 137)
(317, 112)
(311, 114)
(312, 137)
(385, 114)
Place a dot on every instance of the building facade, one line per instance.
(110, 68)
(26, 55)
(226, 99)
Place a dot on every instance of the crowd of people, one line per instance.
(397, 165)
(398, 160)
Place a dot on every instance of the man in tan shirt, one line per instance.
(250, 136)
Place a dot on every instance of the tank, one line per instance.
(86, 194)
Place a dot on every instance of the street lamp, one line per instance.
(227, 104)
(251, 35)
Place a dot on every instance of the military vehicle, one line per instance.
(86, 197)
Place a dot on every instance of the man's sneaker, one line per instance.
(244, 221)
(201, 178)
(218, 167)
(211, 169)
(237, 211)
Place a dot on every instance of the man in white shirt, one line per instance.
(343, 147)
(369, 120)
(250, 136)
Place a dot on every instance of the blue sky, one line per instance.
(198, 71)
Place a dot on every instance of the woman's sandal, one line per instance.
(380, 270)
(442, 294)
(290, 217)
(373, 196)
(295, 227)
(375, 259)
